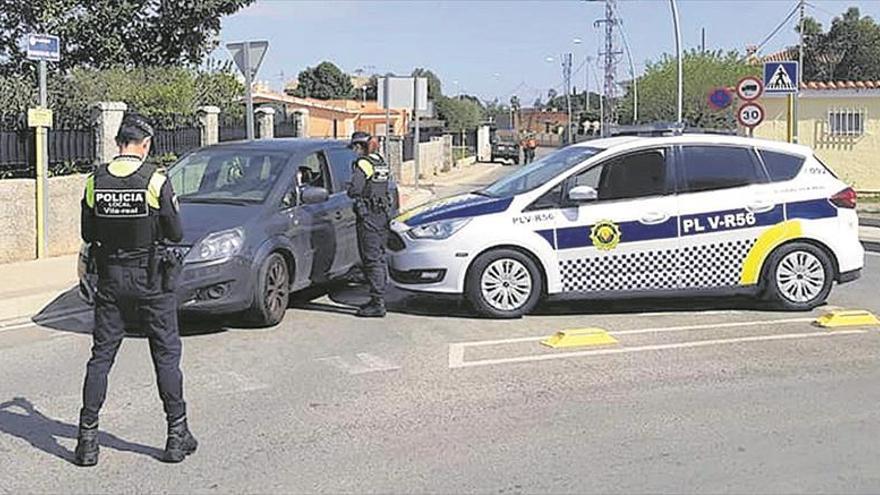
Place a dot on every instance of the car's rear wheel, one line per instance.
(272, 292)
(799, 276)
(504, 283)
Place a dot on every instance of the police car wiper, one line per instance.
(217, 201)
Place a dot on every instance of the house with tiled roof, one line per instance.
(840, 120)
(333, 118)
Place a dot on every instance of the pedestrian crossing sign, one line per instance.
(781, 77)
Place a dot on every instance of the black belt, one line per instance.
(136, 257)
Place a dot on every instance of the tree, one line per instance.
(459, 114)
(703, 71)
(849, 51)
(158, 92)
(551, 95)
(324, 82)
(111, 33)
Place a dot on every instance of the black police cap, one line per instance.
(360, 137)
(134, 127)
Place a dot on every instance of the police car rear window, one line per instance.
(781, 166)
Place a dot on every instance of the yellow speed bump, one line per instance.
(847, 318)
(579, 338)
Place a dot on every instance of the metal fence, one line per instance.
(71, 147)
(232, 129)
(176, 135)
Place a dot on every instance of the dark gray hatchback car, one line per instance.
(261, 219)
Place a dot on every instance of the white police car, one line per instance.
(635, 216)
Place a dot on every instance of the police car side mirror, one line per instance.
(314, 195)
(582, 194)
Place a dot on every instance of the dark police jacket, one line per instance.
(370, 178)
(129, 205)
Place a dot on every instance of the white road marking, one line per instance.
(368, 363)
(708, 326)
(460, 363)
(225, 382)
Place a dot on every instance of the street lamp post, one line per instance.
(675, 24)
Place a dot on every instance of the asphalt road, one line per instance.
(698, 396)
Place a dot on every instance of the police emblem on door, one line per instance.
(605, 235)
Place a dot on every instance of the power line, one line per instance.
(781, 25)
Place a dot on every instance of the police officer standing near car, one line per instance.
(372, 202)
(128, 211)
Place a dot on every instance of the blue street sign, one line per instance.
(43, 47)
(720, 98)
(781, 77)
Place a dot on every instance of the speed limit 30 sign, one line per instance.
(750, 114)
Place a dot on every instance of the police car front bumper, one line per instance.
(427, 265)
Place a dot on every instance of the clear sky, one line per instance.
(498, 48)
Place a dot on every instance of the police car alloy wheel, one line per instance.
(800, 276)
(504, 284)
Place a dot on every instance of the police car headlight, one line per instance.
(438, 230)
(216, 246)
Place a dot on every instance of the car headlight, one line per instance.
(438, 230)
(216, 246)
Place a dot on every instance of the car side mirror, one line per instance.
(582, 194)
(314, 195)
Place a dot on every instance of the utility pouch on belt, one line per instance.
(171, 266)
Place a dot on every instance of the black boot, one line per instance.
(374, 309)
(86, 453)
(181, 442)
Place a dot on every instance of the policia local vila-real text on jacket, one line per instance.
(128, 211)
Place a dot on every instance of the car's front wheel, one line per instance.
(272, 291)
(799, 276)
(504, 283)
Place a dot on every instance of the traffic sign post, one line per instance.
(749, 115)
(248, 55)
(783, 78)
(42, 48)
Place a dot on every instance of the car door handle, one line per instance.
(760, 206)
(654, 217)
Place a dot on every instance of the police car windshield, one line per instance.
(226, 176)
(539, 172)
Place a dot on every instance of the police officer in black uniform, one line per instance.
(372, 203)
(128, 211)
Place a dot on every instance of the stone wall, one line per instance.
(18, 236)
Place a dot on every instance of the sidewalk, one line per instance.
(27, 287)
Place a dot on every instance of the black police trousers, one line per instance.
(128, 297)
(372, 233)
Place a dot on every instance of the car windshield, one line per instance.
(539, 172)
(226, 176)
